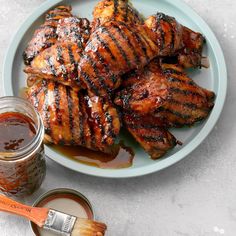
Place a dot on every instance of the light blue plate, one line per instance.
(214, 78)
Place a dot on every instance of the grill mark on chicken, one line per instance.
(106, 65)
(72, 60)
(61, 61)
(172, 71)
(191, 106)
(101, 80)
(137, 123)
(186, 104)
(113, 78)
(35, 98)
(78, 36)
(153, 139)
(59, 55)
(58, 13)
(57, 103)
(86, 125)
(51, 66)
(90, 82)
(137, 38)
(109, 119)
(185, 92)
(126, 11)
(127, 39)
(115, 41)
(172, 43)
(115, 8)
(143, 36)
(81, 121)
(162, 33)
(46, 110)
(51, 34)
(176, 113)
(169, 20)
(172, 79)
(104, 45)
(70, 110)
(98, 116)
(47, 26)
(90, 121)
(36, 92)
(99, 125)
(137, 126)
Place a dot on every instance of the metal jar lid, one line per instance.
(63, 193)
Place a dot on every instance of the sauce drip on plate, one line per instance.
(120, 156)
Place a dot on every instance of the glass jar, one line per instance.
(22, 171)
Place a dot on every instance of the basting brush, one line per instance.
(53, 220)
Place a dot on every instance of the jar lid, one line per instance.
(65, 200)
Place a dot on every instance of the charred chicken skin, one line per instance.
(74, 118)
(190, 53)
(165, 91)
(45, 36)
(116, 48)
(149, 132)
(58, 63)
(115, 10)
(188, 103)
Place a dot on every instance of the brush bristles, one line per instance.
(85, 227)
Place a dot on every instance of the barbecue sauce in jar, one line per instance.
(22, 162)
(16, 131)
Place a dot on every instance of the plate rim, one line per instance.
(142, 170)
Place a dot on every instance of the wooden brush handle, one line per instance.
(35, 214)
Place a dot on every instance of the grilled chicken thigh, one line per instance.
(188, 103)
(45, 36)
(115, 10)
(189, 53)
(168, 93)
(167, 34)
(58, 63)
(150, 134)
(74, 118)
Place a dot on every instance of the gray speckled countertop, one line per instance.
(195, 197)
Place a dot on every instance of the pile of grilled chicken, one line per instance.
(87, 79)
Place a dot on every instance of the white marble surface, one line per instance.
(196, 197)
